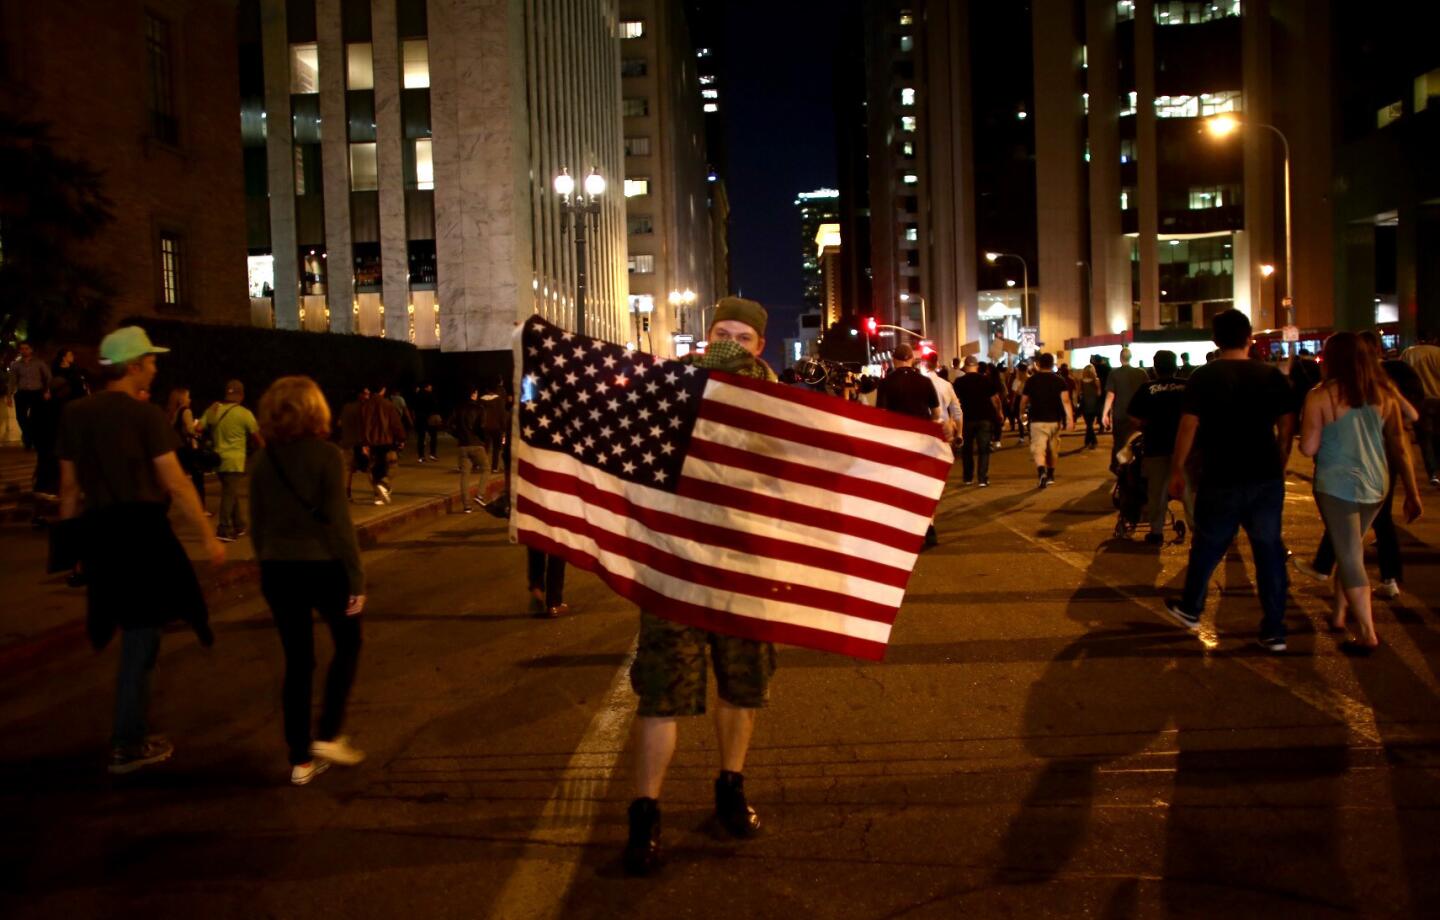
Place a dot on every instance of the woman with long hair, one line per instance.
(187, 429)
(309, 561)
(1352, 426)
(1091, 402)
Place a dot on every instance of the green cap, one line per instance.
(741, 310)
(126, 344)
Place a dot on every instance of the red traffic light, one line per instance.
(927, 348)
(871, 326)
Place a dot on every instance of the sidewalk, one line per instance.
(41, 613)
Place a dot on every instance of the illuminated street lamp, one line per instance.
(905, 298)
(577, 211)
(993, 257)
(679, 300)
(1222, 126)
(1266, 271)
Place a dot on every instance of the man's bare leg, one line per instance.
(655, 746)
(733, 728)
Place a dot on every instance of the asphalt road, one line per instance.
(1038, 743)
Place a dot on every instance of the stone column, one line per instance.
(1261, 159)
(1110, 296)
(394, 252)
(1058, 181)
(280, 159)
(1147, 151)
(335, 155)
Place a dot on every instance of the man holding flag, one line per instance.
(734, 511)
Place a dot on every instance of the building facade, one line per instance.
(398, 163)
(667, 169)
(815, 209)
(138, 106)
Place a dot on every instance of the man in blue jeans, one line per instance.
(1239, 417)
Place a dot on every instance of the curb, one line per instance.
(234, 577)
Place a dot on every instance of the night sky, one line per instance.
(777, 99)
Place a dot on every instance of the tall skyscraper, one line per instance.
(816, 208)
(399, 156)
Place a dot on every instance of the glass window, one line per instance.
(908, 149)
(633, 67)
(1128, 103)
(417, 63)
(642, 265)
(359, 66)
(637, 146)
(1389, 114)
(170, 268)
(1085, 103)
(1427, 87)
(907, 18)
(710, 93)
(707, 79)
(907, 123)
(711, 108)
(1183, 12)
(636, 107)
(907, 95)
(632, 28)
(642, 303)
(1124, 10)
(638, 226)
(424, 164)
(910, 178)
(635, 188)
(364, 168)
(912, 233)
(1127, 198)
(907, 44)
(159, 55)
(1127, 150)
(304, 69)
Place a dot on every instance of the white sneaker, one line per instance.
(302, 774)
(384, 494)
(1306, 569)
(338, 751)
(1389, 589)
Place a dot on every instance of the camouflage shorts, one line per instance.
(669, 669)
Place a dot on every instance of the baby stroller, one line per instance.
(1131, 493)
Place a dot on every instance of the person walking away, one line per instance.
(427, 427)
(29, 387)
(1424, 359)
(1016, 399)
(495, 422)
(981, 409)
(950, 409)
(352, 438)
(187, 434)
(907, 391)
(1352, 426)
(309, 561)
(384, 433)
(1186, 368)
(466, 425)
(668, 673)
(1121, 386)
(119, 451)
(1240, 417)
(232, 429)
(45, 433)
(1046, 402)
(407, 418)
(1090, 404)
(1155, 411)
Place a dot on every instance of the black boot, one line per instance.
(731, 810)
(642, 850)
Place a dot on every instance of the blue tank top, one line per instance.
(1351, 464)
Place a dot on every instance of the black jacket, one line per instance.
(466, 424)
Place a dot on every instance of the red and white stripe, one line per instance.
(797, 518)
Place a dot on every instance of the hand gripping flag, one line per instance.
(731, 504)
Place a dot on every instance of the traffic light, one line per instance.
(927, 348)
(871, 326)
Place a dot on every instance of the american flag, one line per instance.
(735, 505)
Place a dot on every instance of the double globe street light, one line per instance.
(576, 212)
(1222, 126)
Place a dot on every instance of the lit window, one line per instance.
(1127, 150)
(417, 63)
(634, 67)
(304, 69)
(632, 28)
(1085, 56)
(642, 265)
(907, 123)
(170, 268)
(908, 149)
(635, 107)
(1389, 114)
(642, 303)
(159, 54)
(637, 146)
(909, 178)
(364, 168)
(1125, 10)
(907, 44)
(1127, 198)
(912, 234)
(907, 96)
(635, 188)
(710, 93)
(1022, 114)
(701, 52)
(1201, 106)
(1427, 87)
(639, 226)
(1085, 102)
(707, 79)
(907, 18)
(424, 164)
(1129, 103)
(359, 66)
(711, 108)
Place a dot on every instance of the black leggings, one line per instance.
(547, 572)
(293, 590)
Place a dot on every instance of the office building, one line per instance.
(399, 158)
(816, 209)
(142, 93)
(667, 169)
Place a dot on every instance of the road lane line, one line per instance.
(538, 887)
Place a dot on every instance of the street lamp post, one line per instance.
(576, 212)
(1266, 271)
(905, 298)
(993, 257)
(1225, 125)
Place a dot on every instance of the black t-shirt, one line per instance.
(1159, 403)
(1407, 381)
(1238, 403)
(1045, 390)
(113, 440)
(904, 390)
(976, 394)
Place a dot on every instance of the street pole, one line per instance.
(580, 273)
(1289, 252)
(576, 211)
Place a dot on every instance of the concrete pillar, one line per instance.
(394, 251)
(1265, 245)
(1407, 275)
(280, 161)
(335, 155)
(1357, 249)
(1110, 297)
(1058, 178)
(1148, 154)
(1305, 115)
